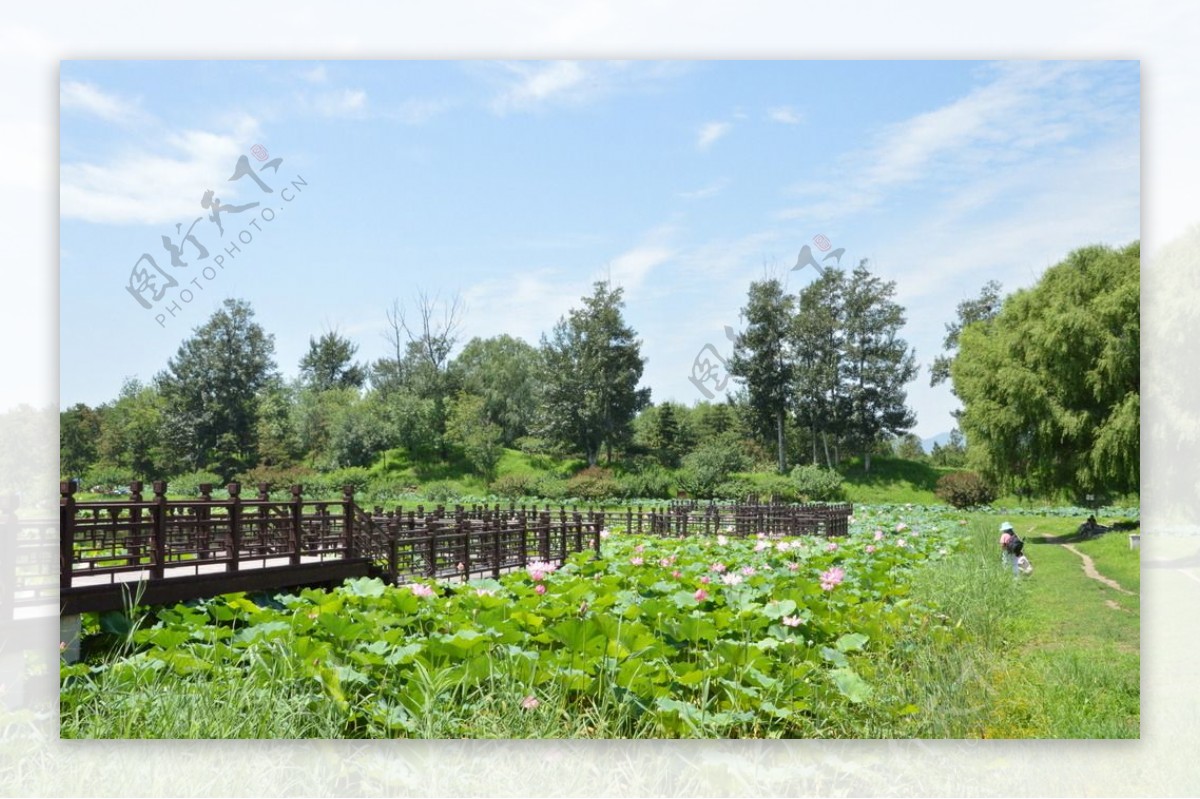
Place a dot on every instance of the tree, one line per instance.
(762, 361)
(131, 432)
(877, 363)
(79, 433)
(1050, 387)
(908, 447)
(981, 309)
(954, 453)
(817, 338)
(211, 391)
(329, 363)
(480, 439)
(593, 365)
(505, 372)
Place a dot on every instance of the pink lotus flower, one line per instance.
(636, 561)
(677, 574)
(783, 546)
(722, 540)
(484, 592)
(832, 578)
(704, 579)
(665, 562)
(850, 519)
(732, 579)
(879, 535)
(604, 533)
(700, 595)
(749, 571)
(901, 527)
(761, 545)
(791, 621)
(717, 567)
(639, 548)
(540, 588)
(870, 549)
(760, 535)
(529, 703)
(831, 546)
(793, 566)
(422, 590)
(900, 542)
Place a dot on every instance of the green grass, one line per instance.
(891, 480)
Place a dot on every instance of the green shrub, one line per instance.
(707, 467)
(593, 484)
(817, 484)
(550, 488)
(441, 491)
(189, 484)
(105, 479)
(512, 486)
(651, 482)
(280, 478)
(737, 489)
(965, 490)
(776, 487)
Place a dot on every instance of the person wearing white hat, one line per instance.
(1011, 547)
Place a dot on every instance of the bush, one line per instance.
(550, 488)
(102, 479)
(737, 489)
(778, 487)
(357, 476)
(512, 486)
(817, 484)
(652, 482)
(965, 490)
(280, 478)
(593, 484)
(442, 491)
(189, 484)
(707, 467)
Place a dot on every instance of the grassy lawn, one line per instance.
(1076, 664)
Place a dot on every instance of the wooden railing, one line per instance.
(172, 549)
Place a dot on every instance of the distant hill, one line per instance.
(941, 439)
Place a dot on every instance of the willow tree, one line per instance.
(1050, 387)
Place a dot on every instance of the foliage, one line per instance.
(707, 467)
(908, 446)
(79, 430)
(761, 359)
(105, 478)
(480, 439)
(652, 482)
(593, 364)
(329, 363)
(550, 487)
(131, 432)
(211, 387)
(1050, 386)
(505, 372)
(954, 453)
(513, 486)
(442, 491)
(981, 309)
(817, 484)
(965, 490)
(189, 484)
(592, 484)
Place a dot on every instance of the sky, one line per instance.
(518, 184)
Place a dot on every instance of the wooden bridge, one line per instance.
(155, 551)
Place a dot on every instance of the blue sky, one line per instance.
(518, 184)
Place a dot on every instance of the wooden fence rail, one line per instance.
(157, 550)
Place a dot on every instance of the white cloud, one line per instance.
(710, 132)
(340, 103)
(316, 75)
(89, 99)
(630, 268)
(705, 192)
(535, 84)
(785, 115)
(156, 188)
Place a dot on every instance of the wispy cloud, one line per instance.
(339, 103)
(317, 74)
(90, 99)
(710, 132)
(156, 187)
(533, 85)
(705, 192)
(1023, 108)
(785, 115)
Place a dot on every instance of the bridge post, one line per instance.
(348, 520)
(66, 532)
(159, 516)
(203, 523)
(297, 523)
(135, 524)
(235, 525)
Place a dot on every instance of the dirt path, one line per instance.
(1089, 568)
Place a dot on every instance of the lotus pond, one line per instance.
(659, 637)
